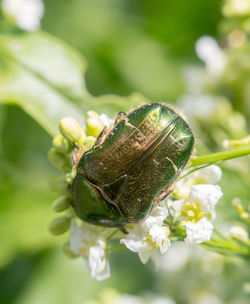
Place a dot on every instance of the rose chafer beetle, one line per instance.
(132, 166)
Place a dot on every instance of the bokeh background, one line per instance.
(130, 46)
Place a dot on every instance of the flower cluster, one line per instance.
(193, 201)
(150, 235)
(185, 215)
(89, 241)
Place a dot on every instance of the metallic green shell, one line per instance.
(132, 166)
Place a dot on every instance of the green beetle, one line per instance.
(132, 166)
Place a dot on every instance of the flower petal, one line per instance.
(200, 232)
(207, 196)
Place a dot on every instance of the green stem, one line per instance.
(112, 234)
(227, 247)
(112, 249)
(220, 156)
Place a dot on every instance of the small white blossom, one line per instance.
(208, 175)
(193, 202)
(149, 235)
(175, 207)
(200, 202)
(206, 196)
(199, 232)
(159, 236)
(88, 241)
(157, 217)
(97, 263)
(27, 13)
(208, 50)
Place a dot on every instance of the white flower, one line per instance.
(88, 241)
(199, 232)
(149, 235)
(200, 202)
(157, 217)
(184, 193)
(193, 202)
(208, 50)
(97, 263)
(138, 241)
(159, 236)
(206, 196)
(27, 13)
(208, 175)
(175, 207)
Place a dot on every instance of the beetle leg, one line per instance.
(123, 230)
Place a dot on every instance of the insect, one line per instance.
(132, 166)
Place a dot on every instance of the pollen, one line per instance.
(191, 211)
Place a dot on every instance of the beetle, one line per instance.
(132, 166)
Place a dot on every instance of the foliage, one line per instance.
(130, 46)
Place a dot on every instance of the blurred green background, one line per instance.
(130, 46)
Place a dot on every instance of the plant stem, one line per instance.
(112, 234)
(112, 249)
(227, 247)
(220, 156)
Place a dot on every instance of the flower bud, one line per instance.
(61, 143)
(94, 125)
(61, 204)
(89, 142)
(238, 233)
(69, 177)
(71, 129)
(59, 160)
(238, 206)
(236, 143)
(59, 225)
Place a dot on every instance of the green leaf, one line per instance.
(113, 104)
(45, 77)
(30, 79)
(51, 60)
